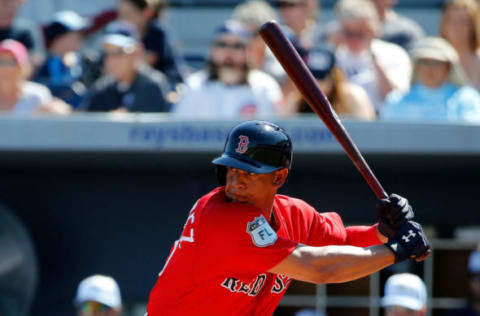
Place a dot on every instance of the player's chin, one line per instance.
(236, 197)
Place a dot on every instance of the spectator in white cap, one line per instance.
(405, 295)
(98, 295)
(439, 90)
(129, 85)
(473, 269)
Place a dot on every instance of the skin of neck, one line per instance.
(129, 76)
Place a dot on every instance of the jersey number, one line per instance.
(183, 238)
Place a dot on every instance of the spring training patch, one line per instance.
(262, 234)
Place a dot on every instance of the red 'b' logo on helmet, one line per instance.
(242, 144)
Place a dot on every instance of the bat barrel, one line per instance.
(298, 71)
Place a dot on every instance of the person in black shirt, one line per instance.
(129, 85)
(160, 54)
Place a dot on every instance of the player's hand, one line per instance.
(392, 213)
(409, 242)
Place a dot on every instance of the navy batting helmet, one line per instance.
(255, 146)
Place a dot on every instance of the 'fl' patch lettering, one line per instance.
(261, 232)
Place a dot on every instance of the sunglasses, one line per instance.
(92, 307)
(8, 62)
(236, 46)
(431, 62)
(289, 4)
(353, 34)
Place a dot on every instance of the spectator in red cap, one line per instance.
(17, 95)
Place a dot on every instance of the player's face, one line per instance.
(247, 187)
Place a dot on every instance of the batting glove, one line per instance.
(393, 213)
(409, 242)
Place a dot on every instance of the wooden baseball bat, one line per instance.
(296, 69)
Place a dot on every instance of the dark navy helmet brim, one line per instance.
(242, 164)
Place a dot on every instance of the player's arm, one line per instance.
(336, 264)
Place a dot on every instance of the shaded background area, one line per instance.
(118, 213)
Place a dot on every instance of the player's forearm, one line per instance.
(336, 264)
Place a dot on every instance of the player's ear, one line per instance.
(280, 176)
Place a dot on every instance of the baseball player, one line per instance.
(243, 243)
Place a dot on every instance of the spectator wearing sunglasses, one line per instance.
(377, 66)
(229, 88)
(439, 91)
(129, 85)
(405, 295)
(98, 295)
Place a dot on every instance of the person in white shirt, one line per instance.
(228, 88)
(18, 96)
(377, 66)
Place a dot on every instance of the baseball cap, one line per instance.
(17, 49)
(99, 288)
(122, 34)
(434, 48)
(474, 262)
(235, 28)
(439, 49)
(320, 61)
(64, 22)
(406, 290)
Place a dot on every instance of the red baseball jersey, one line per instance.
(220, 263)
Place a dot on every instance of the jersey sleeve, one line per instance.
(238, 239)
(362, 236)
(327, 229)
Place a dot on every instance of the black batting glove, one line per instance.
(409, 242)
(393, 213)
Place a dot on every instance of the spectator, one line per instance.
(129, 85)
(460, 27)
(253, 14)
(300, 17)
(18, 268)
(473, 306)
(159, 53)
(377, 66)
(397, 28)
(347, 99)
(405, 295)
(66, 71)
(438, 90)
(229, 88)
(98, 295)
(17, 95)
(7, 30)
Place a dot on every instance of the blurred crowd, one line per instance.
(371, 62)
